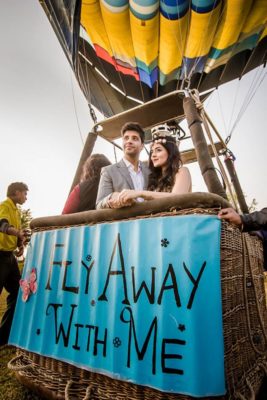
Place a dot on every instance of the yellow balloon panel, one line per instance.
(145, 35)
(257, 16)
(232, 20)
(173, 35)
(264, 34)
(90, 13)
(119, 34)
(201, 33)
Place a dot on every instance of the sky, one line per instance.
(44, 117)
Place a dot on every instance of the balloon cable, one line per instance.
(205, 120)
(75, 109)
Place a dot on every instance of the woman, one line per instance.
(168, 176)
(83, 196)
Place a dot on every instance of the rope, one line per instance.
(238, 395)
(18, 367)
(251, 389)
(75, 110)
(256, 82)
(214, 128)
(246, 251)
(263, 366)
(68, 385)
(200, 107)
(87, 393)
(92, 113)
(221, 112)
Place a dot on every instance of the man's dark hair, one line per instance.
(16, 186)
(133, 126)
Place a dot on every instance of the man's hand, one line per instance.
(230, 215)
(21, 234)
(19, 252)
(27, 235)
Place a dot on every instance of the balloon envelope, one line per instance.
(128, 52)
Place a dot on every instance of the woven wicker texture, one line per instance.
(245, 337)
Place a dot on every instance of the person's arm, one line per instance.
(182, 182)
(105, 190)
(254, 221)
(73, 201)
(181, 185)
(230, 215)
(249, 222)
(8, 229)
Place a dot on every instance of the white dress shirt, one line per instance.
(137, 177)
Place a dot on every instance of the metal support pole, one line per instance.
(236, 184)
(203, 157)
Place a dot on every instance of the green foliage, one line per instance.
(25, 217)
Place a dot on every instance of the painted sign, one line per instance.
(136, 300)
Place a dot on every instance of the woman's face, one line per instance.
(159, 155)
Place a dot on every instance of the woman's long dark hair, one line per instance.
(164, 182)
(92, 167)
(89, 180)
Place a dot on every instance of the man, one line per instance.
(129, 173)
(11, 238)
(249, 222)
(256, 221)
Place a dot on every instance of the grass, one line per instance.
(10, 388)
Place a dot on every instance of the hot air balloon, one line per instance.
(125, 53)
(139, 51)
(159, 300)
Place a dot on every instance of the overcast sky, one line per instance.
(41, 134)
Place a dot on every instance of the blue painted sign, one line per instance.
(136, 300)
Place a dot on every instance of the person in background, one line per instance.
(256, 221)
(129, 173)
(167, 176)
(248, 222)
(11, 239)
(83, 196)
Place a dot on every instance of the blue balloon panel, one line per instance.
(139, 301)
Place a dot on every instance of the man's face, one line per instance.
(132, 144)
(21, 197)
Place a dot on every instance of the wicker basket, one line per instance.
(245, 337)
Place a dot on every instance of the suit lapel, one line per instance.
(125, 172)
(145, 171)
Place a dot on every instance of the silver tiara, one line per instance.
(161, 134)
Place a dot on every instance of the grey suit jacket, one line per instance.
(115, 178)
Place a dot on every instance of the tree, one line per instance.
(25, 218)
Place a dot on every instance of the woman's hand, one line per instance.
(116, 202)
(127, 196)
